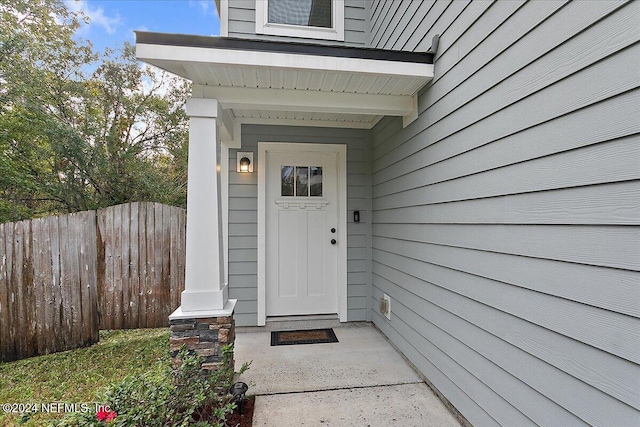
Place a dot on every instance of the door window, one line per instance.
(286, 179)
(315, 181)
(301, 181)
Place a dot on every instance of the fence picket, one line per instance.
(158, 264)
(5, 341)
(142, 264)
(18, 285)
(125, 238)
(174, 242)
(117, 269)
(46, 271)
(74, 278)
(87, 280)
(37, 254)
(134, 262)
(28, 297)
(109, 313)
(56, 285)
(149, 315)
(11, 325)
(92, 274)
(65, 288)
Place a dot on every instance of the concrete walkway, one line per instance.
(360, 381)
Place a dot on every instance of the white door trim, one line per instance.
(285, 147)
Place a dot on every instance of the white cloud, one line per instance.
(207, 7)
(96, 15)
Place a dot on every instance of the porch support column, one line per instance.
(204, 322)
(205, 292)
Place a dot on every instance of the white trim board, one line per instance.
(311, 101)
(223, 14)
(224, 201)
(155, 53)
(306, 122)
(341, 151)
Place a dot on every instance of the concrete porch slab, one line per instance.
(360, 381)
(406, 405)
(361, 358)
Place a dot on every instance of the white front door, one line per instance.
(301, 238)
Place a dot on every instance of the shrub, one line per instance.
(182, 395)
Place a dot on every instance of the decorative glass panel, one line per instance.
(286, 180)
(315, 181)
(308, 13)
(302, 181)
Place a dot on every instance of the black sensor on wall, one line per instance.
(356, 216)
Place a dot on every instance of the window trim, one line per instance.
(263, 26)
(223, 11)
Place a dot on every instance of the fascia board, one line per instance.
(150, 53)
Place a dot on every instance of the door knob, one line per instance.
(334, 241)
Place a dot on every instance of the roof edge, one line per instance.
(232, 43)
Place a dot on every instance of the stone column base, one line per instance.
(205, 336)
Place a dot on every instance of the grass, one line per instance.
(78, 376)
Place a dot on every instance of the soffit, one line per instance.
(293, 81)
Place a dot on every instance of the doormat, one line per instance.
(312, 336)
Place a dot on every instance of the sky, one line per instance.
(114, 21)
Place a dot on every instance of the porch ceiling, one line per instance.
(282, 82)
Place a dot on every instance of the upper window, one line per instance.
(318, 19)
(308, 13)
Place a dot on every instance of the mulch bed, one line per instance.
(246, 418)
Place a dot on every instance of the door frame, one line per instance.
(289, 147)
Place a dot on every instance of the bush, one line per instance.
(182, 395)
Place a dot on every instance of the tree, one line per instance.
(34, 36)
(80, 131)
(132, 129)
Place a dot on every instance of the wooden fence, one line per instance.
(63, 278)
(141, 255)
(47, 285)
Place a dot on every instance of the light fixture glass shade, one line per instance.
(245, 162)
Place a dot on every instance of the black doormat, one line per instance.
(312, 336)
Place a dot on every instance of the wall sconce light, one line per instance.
(245, 162)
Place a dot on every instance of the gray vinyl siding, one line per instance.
(506, 217)
(242, 23)
(410, 24)
(243, 205)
